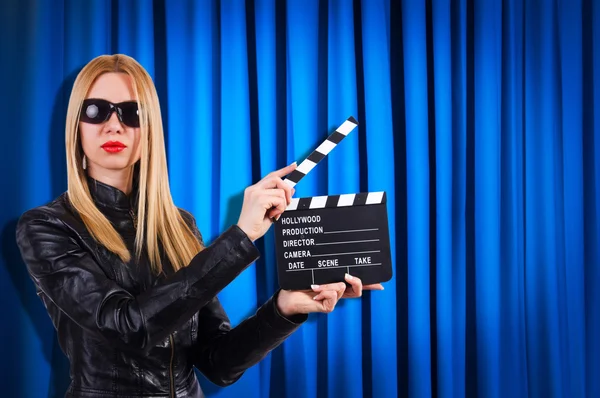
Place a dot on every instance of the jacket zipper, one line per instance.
(172, 385)
(172, 380)
(133, 218)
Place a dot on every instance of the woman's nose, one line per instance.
(113, 124)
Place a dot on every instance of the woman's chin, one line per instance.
(114, 165)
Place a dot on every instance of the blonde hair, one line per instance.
(161, 224)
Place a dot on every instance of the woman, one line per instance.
(123, 272)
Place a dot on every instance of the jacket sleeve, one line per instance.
(223, 354)
(70, 277)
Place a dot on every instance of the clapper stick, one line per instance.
(321, 152)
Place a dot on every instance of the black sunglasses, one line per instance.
(96, 111)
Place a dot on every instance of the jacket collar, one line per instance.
(109, 196)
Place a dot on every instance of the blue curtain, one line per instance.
(480, 119)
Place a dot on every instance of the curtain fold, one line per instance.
(479, 120)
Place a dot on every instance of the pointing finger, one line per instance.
(285, 170)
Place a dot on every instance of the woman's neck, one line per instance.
(120, 179)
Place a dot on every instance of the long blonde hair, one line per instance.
(161, 224)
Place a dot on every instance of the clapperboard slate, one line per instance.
(319, 239)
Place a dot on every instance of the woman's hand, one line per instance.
(265, 200)
(321, 299)
(356, 287)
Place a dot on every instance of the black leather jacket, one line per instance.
(128, 332)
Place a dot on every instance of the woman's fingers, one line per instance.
(338, 288)
(263, 201)
(355, 290)
(377, 286)
(356, 286)
(274, 180)
(285, 170)
(274, 203)
(323, 298)
(326, 300)
(274, 206)
(277, 193)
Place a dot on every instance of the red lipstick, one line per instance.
(113, 146)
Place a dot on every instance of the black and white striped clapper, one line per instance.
(321, 238)
(322, 150)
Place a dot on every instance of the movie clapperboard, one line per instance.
(319, 239)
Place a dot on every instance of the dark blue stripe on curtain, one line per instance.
(543, 291)
(479, 119)
(399, 222)
(513, 346)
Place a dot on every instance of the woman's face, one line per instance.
(111, 147)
